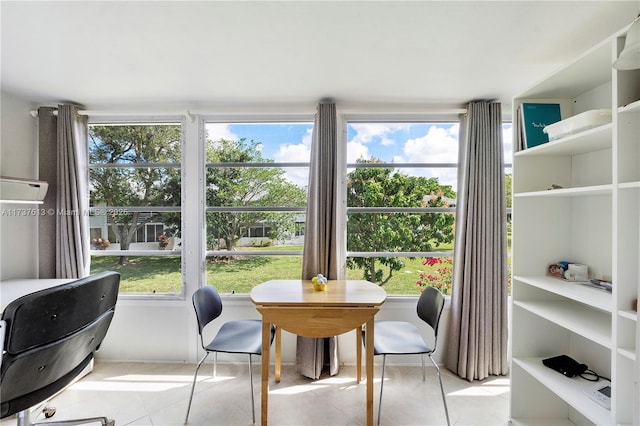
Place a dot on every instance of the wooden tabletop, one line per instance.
(338, 293)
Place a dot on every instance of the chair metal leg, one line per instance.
(193, 386)
(444, 398)
(384, 361)
(423, 376)
(79, 422)
(253, 405)
(23, 418)
(215, 365)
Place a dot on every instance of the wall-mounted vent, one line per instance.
(19, 190)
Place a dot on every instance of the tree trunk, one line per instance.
(125, 232)
(372, 269)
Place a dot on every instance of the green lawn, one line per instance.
(161, 274)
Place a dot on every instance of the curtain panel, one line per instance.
(320, 241)
(73, 206)
(478, 317)
(64, 235)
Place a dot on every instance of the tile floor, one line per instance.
(142, 394)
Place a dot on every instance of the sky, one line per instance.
(389, 142)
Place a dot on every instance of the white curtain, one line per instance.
(72, 219)
(478, 316)
(320, 238)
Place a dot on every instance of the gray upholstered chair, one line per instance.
(236, 337)
(404, 338)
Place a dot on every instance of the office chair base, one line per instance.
(23, 419)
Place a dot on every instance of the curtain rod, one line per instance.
(34, 113)
(349, 110)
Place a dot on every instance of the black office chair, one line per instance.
(404, 338)
(50, 337)
(236, 337)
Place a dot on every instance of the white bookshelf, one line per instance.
(593, 219)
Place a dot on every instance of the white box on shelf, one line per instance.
(578, 123)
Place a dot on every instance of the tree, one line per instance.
(385, 187)
(241, 186)
(127, 186)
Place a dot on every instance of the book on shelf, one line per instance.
(535, 117)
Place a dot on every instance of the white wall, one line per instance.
(165, 331)
(18, 158)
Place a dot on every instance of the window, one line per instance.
(256, 193)
(401, 193)
(135, 199)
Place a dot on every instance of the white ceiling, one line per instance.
(151, 53)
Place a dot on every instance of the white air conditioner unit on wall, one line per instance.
(23, 191)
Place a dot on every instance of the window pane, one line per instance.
(400, 232)
(403, 281)
(256, 200)
(241, 273)
(134, 143)
(143, 275)
(403, 142)
(257, 186)
(233, 230)
(135, 197)
(278, 142)
(135, 230)
(128, 187)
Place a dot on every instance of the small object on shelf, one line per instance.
(535, 117)
(635, 305)
(569, 271)
(554, 186)
(565, 365)
(577, 272)
(578, 123)
(598, 285)
(601, 394)
(555, 271)
(607, 285)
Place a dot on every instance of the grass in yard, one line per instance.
(143, 274)
(161, 274)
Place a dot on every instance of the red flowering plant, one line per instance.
(163, 241)
(100, 244)
(438, 275)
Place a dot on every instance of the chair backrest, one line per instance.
(430, 306)
(208, 306)
(51, 336)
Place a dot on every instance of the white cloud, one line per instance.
(217, 131)
(366, 132)
(387, 141)
(292, 154)
(439, 145)
(356, 151)
(296, 153)
(507, 140)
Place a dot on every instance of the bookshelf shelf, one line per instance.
(580, 143)
(569, 192)
(570, 390)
